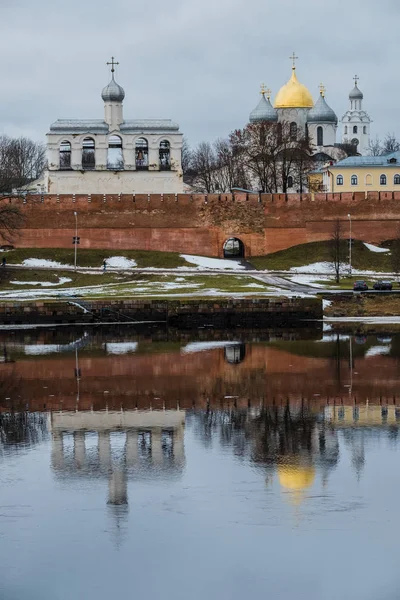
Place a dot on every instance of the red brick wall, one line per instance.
(178, 223)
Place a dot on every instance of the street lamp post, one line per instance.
(350, 244)
(76, 239)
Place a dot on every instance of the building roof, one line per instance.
(322, 112)
(370, 161)
(356, 93)
(293, 94)
(113, 92)
(72, 126)
(264, 111)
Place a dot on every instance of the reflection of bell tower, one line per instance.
(117, 488)
(118, 502)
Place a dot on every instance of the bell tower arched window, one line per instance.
(355, 129)
(165, 155)
(320, 136)
(65, 155)
(88, 154)
(293, 131)
(115, 159)
(142, 154)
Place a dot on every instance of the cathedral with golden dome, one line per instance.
(294, 104)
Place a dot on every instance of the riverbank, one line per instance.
(362, 305)
(224, 313)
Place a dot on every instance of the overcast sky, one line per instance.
(198, 63)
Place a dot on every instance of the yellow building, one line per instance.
(363, 174)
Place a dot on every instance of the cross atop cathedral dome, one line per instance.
(113, 92)
(293, 94)
(264, 110)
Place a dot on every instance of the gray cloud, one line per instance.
(199, 63)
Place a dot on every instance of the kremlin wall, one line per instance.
(200, 224)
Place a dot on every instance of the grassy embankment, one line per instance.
(361, 305)
(123, 285)
(307, 254)
(95, 258)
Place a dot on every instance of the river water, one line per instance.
(166, 466)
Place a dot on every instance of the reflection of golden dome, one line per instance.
(296, 478)
(293, 94)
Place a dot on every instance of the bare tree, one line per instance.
(378, 148)
(390, 144)
(336, 249)
(375, 147)
(204, 164)
(229, 171)
(21, 162)
(186, 158)
(272, 153)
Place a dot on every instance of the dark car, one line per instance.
(360, 286)
(383, 285)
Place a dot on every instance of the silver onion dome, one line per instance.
(113, 92)
(264, 111)
(356, 94)
(322, 112)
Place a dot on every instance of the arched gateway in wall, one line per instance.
(233, 248)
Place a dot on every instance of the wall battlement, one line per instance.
(201, 223)
(203, 198)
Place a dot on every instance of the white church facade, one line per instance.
(114, 155)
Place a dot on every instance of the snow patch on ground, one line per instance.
(120, 262)
(61, 281)
(205, 262)
(326, 304)
(327, 268)
(121, 347)
(377, 351)
(306, 280)
(375, 248)
(43, 262)
(202, 346)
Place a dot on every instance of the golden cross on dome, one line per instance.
(265, 91)
(113, 64)
(293, 58)
(356, 78)
(322, 89)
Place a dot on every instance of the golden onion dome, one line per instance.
(293, 94)
(296, 478)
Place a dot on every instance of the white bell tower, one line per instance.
(356, 122)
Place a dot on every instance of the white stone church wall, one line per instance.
(115, 182)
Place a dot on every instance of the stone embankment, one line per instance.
(222, 313)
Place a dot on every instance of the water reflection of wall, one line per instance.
(172, 376)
